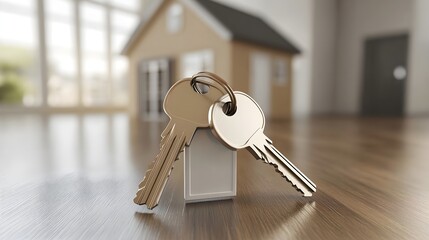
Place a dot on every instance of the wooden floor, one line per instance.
(69, 177)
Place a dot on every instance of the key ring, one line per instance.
(231, 107)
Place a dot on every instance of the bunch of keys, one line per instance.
(234, 118)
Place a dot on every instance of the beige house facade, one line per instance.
(179, 38)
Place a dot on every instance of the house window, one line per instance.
(280, 72)
(194, 62)
(175, 18)
(154, 80)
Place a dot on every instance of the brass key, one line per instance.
(188, 110)
(245, 129)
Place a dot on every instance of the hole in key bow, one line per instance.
(202, 88)
(227, 109)
(213, 79)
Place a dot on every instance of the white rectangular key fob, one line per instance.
(210, 169)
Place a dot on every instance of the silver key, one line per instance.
(187, 110)
(245, 129)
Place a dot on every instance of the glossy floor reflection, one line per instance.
(67, 176)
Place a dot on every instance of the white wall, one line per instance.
(324, 56)
(359, 19)
(311, 25)
(417, 101)
(331, 35)
(294, 19)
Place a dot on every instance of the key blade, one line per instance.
(262, 148)
(152, 173)
(156, 178)
(289, 163)
(288, 166)
(164, 136)
(177, 147)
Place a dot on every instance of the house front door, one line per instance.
(154, 82)
(260, 80)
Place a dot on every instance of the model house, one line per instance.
(178, 38)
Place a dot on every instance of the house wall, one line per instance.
(417, 101)
(156, 42)
(280, 95)
(359, 19)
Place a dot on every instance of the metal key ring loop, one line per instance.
(231, 106)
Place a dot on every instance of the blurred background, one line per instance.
(343, 83)
(66, 54)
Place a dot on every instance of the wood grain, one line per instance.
(74, 177)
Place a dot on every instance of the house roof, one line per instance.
(248, 28)
(239, 25)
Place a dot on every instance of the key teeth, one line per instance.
(136, 198)
(142, 184)
(137, 202)
(142, 191)
(264, 157)
(294, 185)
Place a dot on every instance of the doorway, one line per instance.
(260, 80)
(385, 75)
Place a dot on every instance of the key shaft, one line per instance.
(152, 188)
(262, 148)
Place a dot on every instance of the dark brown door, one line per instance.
(385, 75)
